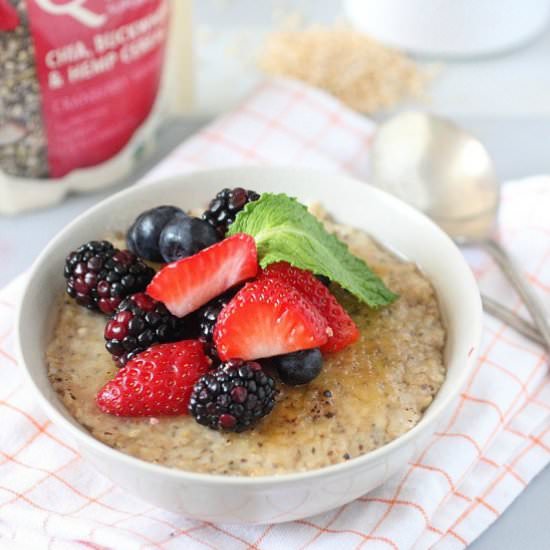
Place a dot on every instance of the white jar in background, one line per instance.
(450, 28)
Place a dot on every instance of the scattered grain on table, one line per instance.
(363, 73)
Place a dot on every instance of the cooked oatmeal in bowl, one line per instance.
(365, 396)
(223, 347)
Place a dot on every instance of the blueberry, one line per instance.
(143, 235)
(184, 236)
(299, 367)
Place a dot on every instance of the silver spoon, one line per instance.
(507, 316)
(442, 170)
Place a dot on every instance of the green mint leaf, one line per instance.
(284, 230)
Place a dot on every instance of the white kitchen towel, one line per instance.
(497, 440)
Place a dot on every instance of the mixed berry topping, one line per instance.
(208, 314)
(234, 397)
(186, 285)
(184, 236)
(207, 317)
(99, 275)
(158, 381)
(167, 234)
(300, 367)
(223, 209)
(143, 235)
(343, 330)
(214, 290)
(139, 322)
(268, 317)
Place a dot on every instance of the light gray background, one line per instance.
(497, 99)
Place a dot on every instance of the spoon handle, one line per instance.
(532, 304)
(525, 328)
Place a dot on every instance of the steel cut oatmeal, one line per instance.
(367, 394)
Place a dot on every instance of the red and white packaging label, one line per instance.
(99, 64)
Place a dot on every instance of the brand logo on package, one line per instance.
(99, 64)
(76, 9)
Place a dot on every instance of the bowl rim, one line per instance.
(81, 437)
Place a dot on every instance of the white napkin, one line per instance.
(497, 441)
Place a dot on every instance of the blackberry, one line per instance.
(223, 209)
(206, 318)
(234, 397)
(139, 322)
(208, 314)
(99, 275)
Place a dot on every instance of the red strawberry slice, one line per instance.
(344, 331)
(187, 284)
(158, 381)
(265, 318)
(9, 18)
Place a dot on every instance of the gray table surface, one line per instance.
(519, 147)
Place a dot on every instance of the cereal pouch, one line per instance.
(83, 86)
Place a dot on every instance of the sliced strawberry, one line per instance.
(187, 284)
(265, 318)
(343, 329)
(158, 381)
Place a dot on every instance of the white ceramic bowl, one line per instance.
(269, 498)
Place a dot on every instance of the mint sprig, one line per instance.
(284, 230)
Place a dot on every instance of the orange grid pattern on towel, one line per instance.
(496, 440)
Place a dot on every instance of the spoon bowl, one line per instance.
(445, 172)
(437, 167)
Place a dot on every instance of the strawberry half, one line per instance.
(344, 331)
(158, 381)
(187, 284)
(268, 317)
